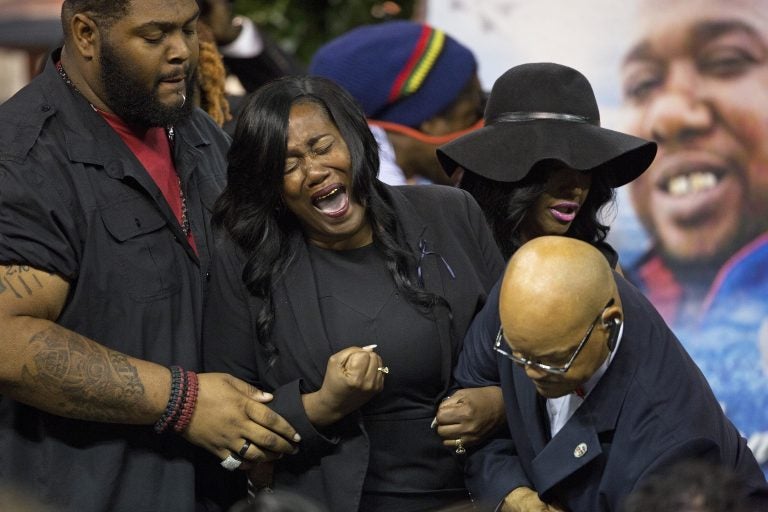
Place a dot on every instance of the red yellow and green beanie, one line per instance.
(398, 71)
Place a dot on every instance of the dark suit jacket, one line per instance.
(440, 222)
(651, 408)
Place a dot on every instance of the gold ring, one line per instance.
(383, 369)
(460, 450)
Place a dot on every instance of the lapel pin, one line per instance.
(580, 450)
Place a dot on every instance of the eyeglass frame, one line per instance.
(557, 370)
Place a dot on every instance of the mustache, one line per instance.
(185, 71)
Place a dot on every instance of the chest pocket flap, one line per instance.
(124, 223)
(150, 261)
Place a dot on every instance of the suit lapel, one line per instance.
(417, 235)
(531, 415)
(571, 449)
(298, 293)
(578, 442)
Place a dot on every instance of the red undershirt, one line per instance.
(153, 150)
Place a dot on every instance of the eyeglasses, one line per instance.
(559, 370)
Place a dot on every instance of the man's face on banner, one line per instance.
(695, 80)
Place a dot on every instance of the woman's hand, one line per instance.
(352, 377)
(470, 414)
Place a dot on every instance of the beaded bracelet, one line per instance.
(182, 398)
(174, 402)
(190, 400)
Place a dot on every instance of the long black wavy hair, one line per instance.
(251, 210)
(505, 205)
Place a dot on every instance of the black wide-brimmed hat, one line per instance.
(545, 111)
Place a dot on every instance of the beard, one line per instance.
(130, 99)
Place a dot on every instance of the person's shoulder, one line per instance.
(22, 118)
(203, 129)
(227, 251)
(441, 194)
(448, 203)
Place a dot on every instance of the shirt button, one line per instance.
(45, 108)
(207, 276)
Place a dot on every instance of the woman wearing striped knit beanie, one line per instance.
(417, 86)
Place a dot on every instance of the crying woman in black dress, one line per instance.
(344, 297)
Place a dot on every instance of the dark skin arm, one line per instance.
(471, 414)
(61, 372)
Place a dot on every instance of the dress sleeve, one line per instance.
(230, 344)
(229, 340)
(477, 365)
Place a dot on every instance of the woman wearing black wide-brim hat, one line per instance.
(541, 165)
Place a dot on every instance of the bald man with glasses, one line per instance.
(598, 391)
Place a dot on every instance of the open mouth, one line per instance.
(691, 183)
(565, 211)
(332, 201)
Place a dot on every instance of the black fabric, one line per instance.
(74, 201)
(332, 465)
(408, 468)
(545, 111)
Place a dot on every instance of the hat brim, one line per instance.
(507, 151)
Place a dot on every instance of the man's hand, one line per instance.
(524, 499)
(471, 415)
(229, 412)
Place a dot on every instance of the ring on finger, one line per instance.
(231, 463)
(383, 369)
(244, 449)
(460, 450)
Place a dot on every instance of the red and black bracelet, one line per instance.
(190, 400)
(181, 403)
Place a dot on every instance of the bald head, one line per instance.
(556, 292)
(556, 273)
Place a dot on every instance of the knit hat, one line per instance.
(398, 71)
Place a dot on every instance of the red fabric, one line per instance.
(153, 150)
(663, 290)
(418, 51)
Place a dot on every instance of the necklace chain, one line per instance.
(170, 133)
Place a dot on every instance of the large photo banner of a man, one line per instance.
(692, 231)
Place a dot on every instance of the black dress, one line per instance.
(409, 469)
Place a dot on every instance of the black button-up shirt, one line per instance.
(76, 202)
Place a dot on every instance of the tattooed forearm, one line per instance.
(83, 379)
(19, 280)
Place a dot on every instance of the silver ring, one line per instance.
(383, 369)
(460, 450)
(231, 463)
(244, 449)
